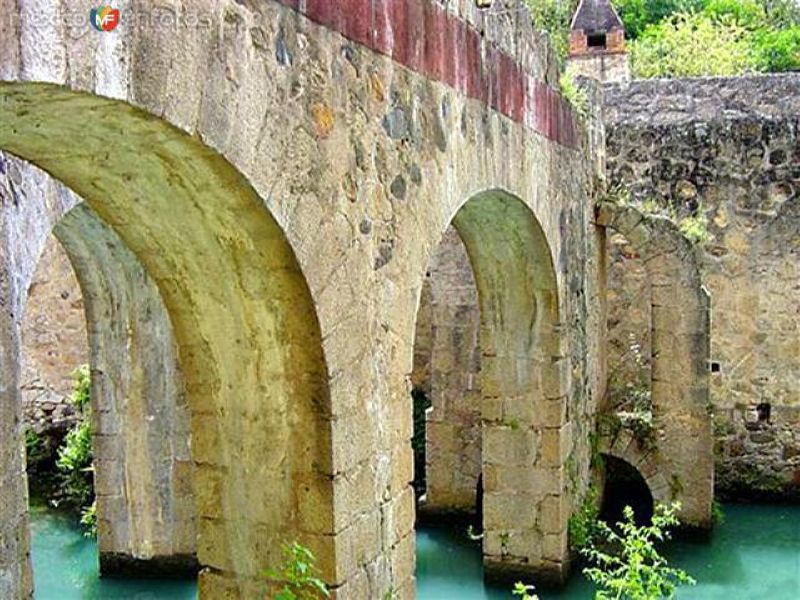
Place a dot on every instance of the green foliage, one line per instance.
(75, 463)
(782, 14)
(298, 575)
(82, 387)
(554, 17)
(573, 93)
(525, 592)
(628, 565)
(637, 15)
(695, 228)
(693, 44)
(582, 525)
(712, 37)
(89, 520)
(75, 455)
(777, 50)
(717, 514)
(35, 447)
(750, 14)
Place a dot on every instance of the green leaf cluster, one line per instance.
(298, 576)
(89, 520)
(82, 387)
(627, 563)
(75, 463)
(75, 460)
(583, 524)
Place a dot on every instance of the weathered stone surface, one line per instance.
(727, 148)
(295, 328)
(140, 421)
(54, 341)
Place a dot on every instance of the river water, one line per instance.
(754, 555)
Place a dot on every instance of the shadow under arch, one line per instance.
(523, 380)
(624, 485)
(245, 323)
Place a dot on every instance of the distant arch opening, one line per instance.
(499, 366)
(625, 486)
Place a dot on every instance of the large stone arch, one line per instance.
(680, 464)
(141, 425)
(525, 434)
(245, 325)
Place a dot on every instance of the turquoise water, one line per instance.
(65, 566)
(754, 555)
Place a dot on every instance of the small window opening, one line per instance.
(715, 367)
(596, 40)
(764, 409)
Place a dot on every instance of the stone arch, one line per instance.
(244, 321)
(141, 426)
(525, 435)
(447, 372)
(680, 334)
(626, 447)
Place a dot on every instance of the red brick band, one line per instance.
(427, 39)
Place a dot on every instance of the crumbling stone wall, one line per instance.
(671, 443)
(54, 343)
(728, 150)
(284, 172)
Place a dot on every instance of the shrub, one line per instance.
(639, 14)
(555, 17)
(75, 455)
(75, 463)
(298, 575)
(582, 525)
(89, 520)
(82, 387)
(573, 93)
(525, 592)
(35, 447)
(633, 568)
(778, 50)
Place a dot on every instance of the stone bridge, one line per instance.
(251, 193)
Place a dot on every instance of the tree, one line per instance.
(638, 15)
(691, 45)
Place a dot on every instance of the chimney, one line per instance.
(597, 42)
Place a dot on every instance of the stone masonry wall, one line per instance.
(729, 151)
(284, 172)
(54, 341)
(453, 427)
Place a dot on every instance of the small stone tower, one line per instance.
(597, 42)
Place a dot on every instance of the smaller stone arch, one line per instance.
(680, 463)
(625, 446)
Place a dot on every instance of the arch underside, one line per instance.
(525, 434)
(244, 323)
(141, 425)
